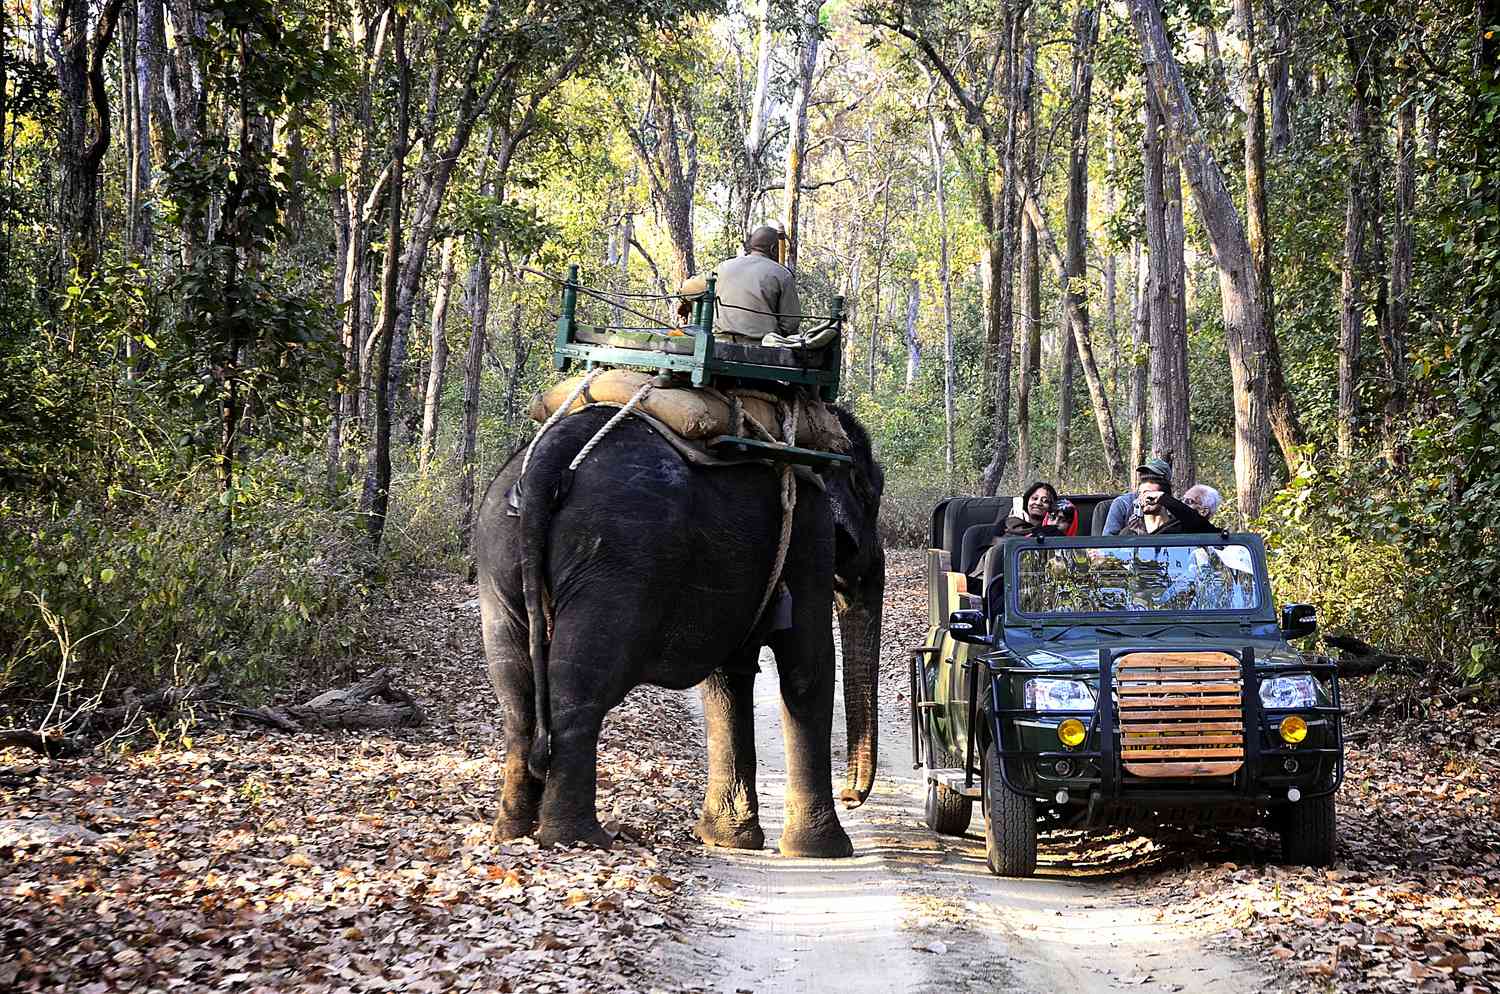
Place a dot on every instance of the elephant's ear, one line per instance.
(855, 497)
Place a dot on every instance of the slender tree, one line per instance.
(1244, 320)
(378, 485)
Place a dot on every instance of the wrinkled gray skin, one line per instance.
(651, 571)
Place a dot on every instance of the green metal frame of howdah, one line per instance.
(696, 352)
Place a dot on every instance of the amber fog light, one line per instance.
(1293, 729)
(1071, 733)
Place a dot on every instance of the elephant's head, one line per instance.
(859, 586)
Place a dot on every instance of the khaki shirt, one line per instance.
(754, 281)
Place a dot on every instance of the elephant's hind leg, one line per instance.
(731, 811)
(510, 676)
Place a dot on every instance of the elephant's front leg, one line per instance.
(731, 811)
(804, 660)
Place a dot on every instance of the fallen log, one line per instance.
(51, 746)
(371, 703)
(1359, 658)
(77, 736)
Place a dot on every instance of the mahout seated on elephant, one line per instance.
(639, 567)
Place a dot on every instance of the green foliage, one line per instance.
(166, 605)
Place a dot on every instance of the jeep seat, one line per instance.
(976, 540)
(1101, 517)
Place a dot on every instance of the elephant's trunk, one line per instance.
(859, 606)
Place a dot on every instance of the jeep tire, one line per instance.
(948, 811)
(1009, 823)
(1309, 832)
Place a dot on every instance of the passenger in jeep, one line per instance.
(1153, 470)
(1038, 517)
(1202, 498)
(1157, 512)
(1038, 513)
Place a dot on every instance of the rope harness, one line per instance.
(740, 419)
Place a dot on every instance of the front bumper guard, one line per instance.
(1109, 785)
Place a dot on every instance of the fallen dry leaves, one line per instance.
(257, 861)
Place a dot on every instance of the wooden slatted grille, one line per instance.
(1180, 714)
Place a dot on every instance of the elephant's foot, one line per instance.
(589, 833)
(729, 819)
(721, 833)
(505, 828)
(817, 836)
(519, 803)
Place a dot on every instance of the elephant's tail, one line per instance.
(539, 489)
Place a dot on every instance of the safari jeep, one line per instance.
(1095, 681)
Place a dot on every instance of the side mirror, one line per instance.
(969, 627)
(1298, 620)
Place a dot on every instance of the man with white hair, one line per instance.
(1203, 498)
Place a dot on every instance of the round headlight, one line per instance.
(1293, 729)
(1071, 732)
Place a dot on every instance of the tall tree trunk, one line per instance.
(1075, 278)
(188, 102)
(885, 227)
(913, 341)
(1111, 278)
(433, 404)
(1169, 421)
(1279, 23)
(1031, 346)
(796, 148)
(1031, 279)
(1401, 273)
(1284, 423)
(753, 166)
(1067, 394)
(1244, 321)
(949, 418)
(1140, 337)
(666, 145)
(82, 142)
(378, 484)
(468, 435)
(1003, 250)
(1356, 252)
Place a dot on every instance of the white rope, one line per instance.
(609, 425)
(558, 415)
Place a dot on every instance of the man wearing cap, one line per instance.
(756, 294)
(1153, 470)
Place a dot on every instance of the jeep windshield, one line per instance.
(1136, 579)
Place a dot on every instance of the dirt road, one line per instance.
(917, 912)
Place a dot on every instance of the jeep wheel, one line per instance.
(1009, 823)
(948, 811)
(1309, 832)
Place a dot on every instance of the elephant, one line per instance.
(641, 567)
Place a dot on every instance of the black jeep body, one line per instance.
(1208, 715)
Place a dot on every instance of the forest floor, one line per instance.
(245, 860)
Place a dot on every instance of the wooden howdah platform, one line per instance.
(695, 352)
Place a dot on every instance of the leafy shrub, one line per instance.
(162, 603)
(1357, 541)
